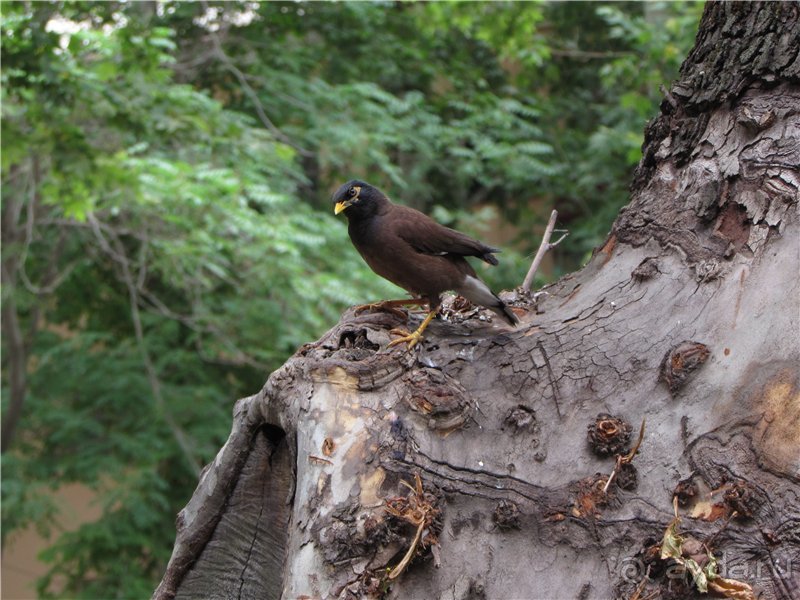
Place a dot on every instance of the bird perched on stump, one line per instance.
(416, 253)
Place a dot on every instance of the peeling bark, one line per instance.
(686, 317)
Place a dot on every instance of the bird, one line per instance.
(416, 253)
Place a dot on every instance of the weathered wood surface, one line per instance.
(686, 317)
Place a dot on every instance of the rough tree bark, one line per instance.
(686, 317)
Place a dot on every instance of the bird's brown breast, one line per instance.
(393, 258)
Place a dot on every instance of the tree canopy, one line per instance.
(167, 233)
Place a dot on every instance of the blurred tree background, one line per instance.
(168, 238)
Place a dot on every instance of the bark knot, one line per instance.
(681, 361)
(609, 435)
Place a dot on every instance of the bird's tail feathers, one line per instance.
(504, 312)
(477, 292)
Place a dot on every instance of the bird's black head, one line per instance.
(358, 198)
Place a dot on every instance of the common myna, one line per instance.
(416, 253)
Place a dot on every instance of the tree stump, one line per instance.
(478, 465)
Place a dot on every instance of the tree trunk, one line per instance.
(687, 317)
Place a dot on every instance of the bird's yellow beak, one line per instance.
(340, 206)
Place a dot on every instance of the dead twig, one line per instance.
(543, 248)
(414, 509)
(412, 549)
(710, 541)
(624, 460)
(637, 594)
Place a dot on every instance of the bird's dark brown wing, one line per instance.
(429, 237)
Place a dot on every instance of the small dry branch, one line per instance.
(414, 509)
(623, 460)
(543, 248)
(637, 594)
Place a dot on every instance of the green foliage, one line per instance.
(152, 183)
(605, 79)
(167, 226)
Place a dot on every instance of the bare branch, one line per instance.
(118, 254)
(17, 359)
(119, 231)
(543, 248)
(148, 300)
(239, 359)
(586, 54)
(220, 54)
(12, 263)
(142, 269)
(156, 303)
(52, 278)
(192, 322)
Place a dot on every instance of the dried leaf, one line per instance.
(672, 544)
(680, 549)
(708, 511)
(731, 588)
(711, 567)
(672, 547)
(698, 574)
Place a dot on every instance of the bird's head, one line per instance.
(358, 198)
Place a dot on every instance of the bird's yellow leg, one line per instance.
(413, 338)
(389, 305)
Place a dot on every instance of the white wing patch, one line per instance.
(477, 292)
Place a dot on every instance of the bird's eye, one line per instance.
(352, 192)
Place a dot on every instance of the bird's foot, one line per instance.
(412, 339)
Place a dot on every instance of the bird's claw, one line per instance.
(412, 339)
